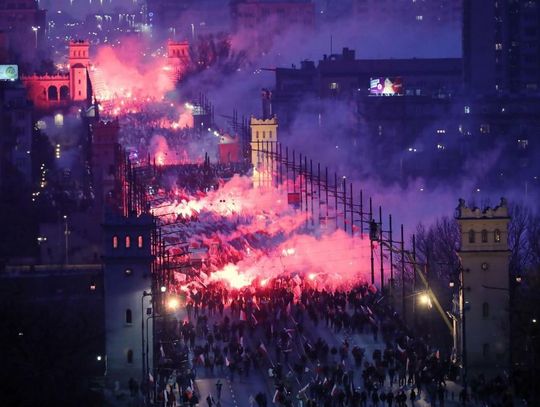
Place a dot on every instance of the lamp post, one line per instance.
(66, 234)
(35, 30)
(144, 294)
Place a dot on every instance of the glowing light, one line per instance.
(312, 276)
(173, 303)
(425, 300)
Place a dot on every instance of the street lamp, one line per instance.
(144, 294)
(35, 30)
(66, 233)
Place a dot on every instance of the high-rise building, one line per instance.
(501, 46)
(25, 25)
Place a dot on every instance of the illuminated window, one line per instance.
(129, 356)
(419, 18)
(471, 236)
(484, 128)
(523, 144)
(333, 86)
(498, 46)
(484, 236)
(128, 242)
(129, 317)
(140, 241)
(485, 310)
(115, 242)
(497, 236)
(467, 109)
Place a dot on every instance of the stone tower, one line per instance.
(485, 287)
(79, 60)
(127, 262)
(263, 138)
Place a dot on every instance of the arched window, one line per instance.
(485, 310)
(64, 93)
(497, 236)
(140, 241)
(115, 242)
(129, 356)
(484, 236)
(129, 317)
(471, 236)
(52, 93)
(128, 242)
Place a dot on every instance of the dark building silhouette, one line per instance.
(501, 46)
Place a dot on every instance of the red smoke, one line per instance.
(246, 236)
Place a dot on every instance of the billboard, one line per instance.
(9, 72)
(386, 86)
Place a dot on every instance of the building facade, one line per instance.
(501, 46)
(485, 287)
(58, 89)
(25, 25)
(263, 138)
(127, 262)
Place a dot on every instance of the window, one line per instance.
(128, 242)
(471, 236)
(129, 316)
(485, 310)
(140, 241)
(497, 236)
(129, 356)
(498, 46)
(333, 86)
(467, 109)
(484, 128)
(115, 242)
(270, 134)
(484, 236)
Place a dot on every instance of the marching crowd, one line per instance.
(307, 343)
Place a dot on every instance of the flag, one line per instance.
(263, 348)
(274, 399)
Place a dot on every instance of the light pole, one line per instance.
(35, 29)
(66, 233)
(144, 378)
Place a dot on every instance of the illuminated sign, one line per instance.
(386, 86)
(9, 72)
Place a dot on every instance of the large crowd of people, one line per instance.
(315, 347)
